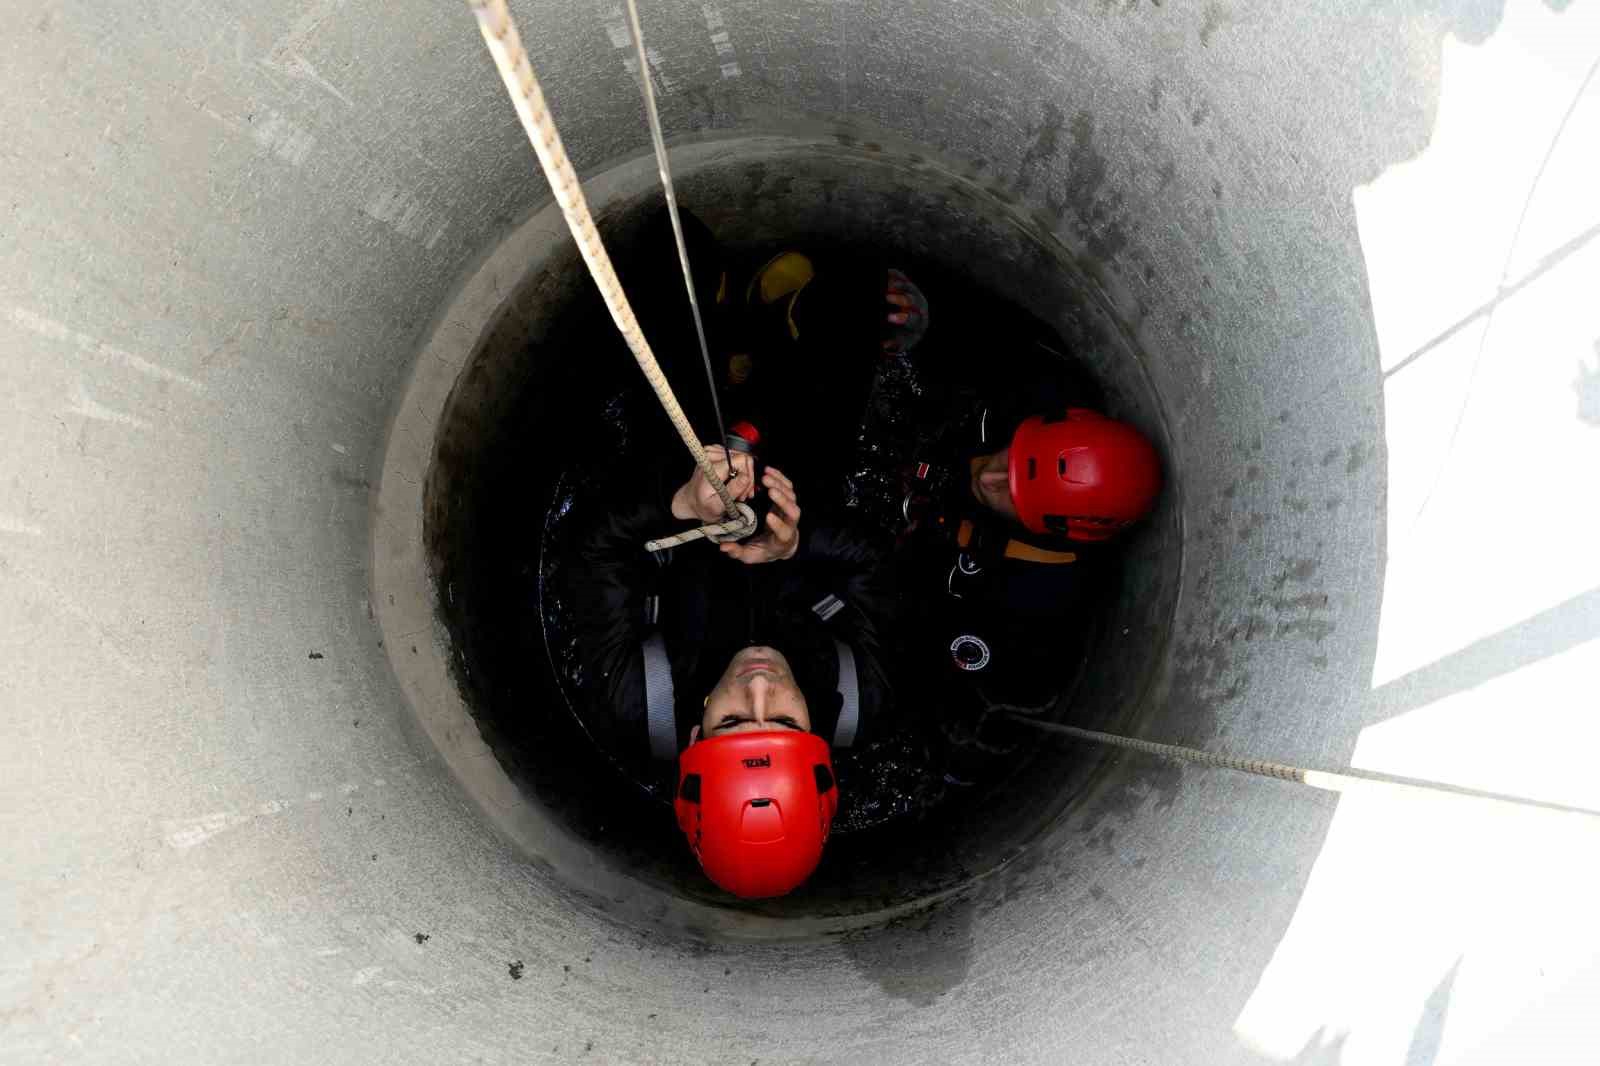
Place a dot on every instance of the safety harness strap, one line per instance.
(658, 699)
(844, 734)
(849, 687)
(1016, 549)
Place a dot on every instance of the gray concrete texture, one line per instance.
(1355, 248)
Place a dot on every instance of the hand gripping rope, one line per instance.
(511, 60)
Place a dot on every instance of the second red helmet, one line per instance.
(1084, 476)
(756, 808)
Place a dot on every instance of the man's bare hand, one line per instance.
(907, 310)
(698, 499)
(781, 538)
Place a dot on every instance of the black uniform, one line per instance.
(995, 615)
(693, 608)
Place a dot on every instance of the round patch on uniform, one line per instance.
(968, 565)
(969, 652)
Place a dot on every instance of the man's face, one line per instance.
(991, 482)
(757, 692)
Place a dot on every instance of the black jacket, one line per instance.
(706, 607)
(993, 613)
(989, 622)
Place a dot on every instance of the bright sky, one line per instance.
(1482, 917)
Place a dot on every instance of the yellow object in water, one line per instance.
(783, 275)
(781, 279)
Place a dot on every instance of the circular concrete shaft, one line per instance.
(505, 405)
(1357, 251)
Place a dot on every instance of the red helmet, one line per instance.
(756, 808)
(1086, 476)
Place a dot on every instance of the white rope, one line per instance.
(511, 60)
(716, 533)
(1327, 780)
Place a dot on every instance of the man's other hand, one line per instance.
(781, 538)
(698, 499)
(908, 311)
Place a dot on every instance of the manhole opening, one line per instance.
(552, 405)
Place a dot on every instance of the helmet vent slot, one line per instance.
(824, 778)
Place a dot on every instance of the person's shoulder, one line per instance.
(842, 532)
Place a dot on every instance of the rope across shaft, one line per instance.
(1327, 780)
(511, 60)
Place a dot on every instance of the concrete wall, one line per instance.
(1358, 249)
